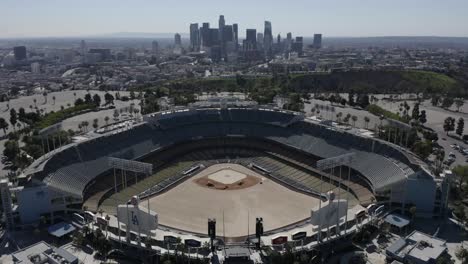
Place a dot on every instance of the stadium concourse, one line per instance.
(279, 148)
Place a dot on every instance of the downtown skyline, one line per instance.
(27, 18)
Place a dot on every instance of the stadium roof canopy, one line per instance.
(61, 229)
(397, 220)
(73, 167)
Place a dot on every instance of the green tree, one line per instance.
(11, 150)
(459, 102)
(415, 113)
(351, 99)
(97, 100)
(108, 98)
(462, 174)
(13, 117)
(88, 99)
(363, 100)
(3, 125)
(462, 255)
(422, 148)
(447, 102)
(422, 117)
(79, 101)
(449, 124)
(435, 100)
(106, 119)
(460, 126)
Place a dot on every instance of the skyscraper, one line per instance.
(177, 39)
(235, 29)
(221, 24)
(289, 41)
(205, 34)
(260, 39)
(317, 41)
(194, 37)
(19, 52)
(250, 42)
(298, 45)
(268, 38)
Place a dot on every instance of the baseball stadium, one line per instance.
(232, 161)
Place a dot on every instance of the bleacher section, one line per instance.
(74, 168)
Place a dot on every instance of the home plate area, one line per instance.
(228, 177)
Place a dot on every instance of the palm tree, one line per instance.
(35, 102)
(354, 118)
(106, 119)
(53, 98)
(366, 120)
(45, 97)
(86, 124)
(95, 123)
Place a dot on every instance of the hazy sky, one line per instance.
(32, 18)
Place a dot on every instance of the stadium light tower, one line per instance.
(258, 230)
(331, 163)
(212, 231)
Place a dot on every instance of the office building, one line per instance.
(19, 52)
(228, 34)
(298, 45)
(268, 38)
(205, 34)
(250, 42)
(42, 252)
(194, 37)
(177, 40)
(317, 41)
(101, 54)
(221, 24)
(154, 47)
(260, 39)
(235, 29)
(36, 67)
(418, 248)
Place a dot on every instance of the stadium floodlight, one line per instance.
(128, 165)
(331, 163)
(345, 159)
(212, 231)
(259, 230)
